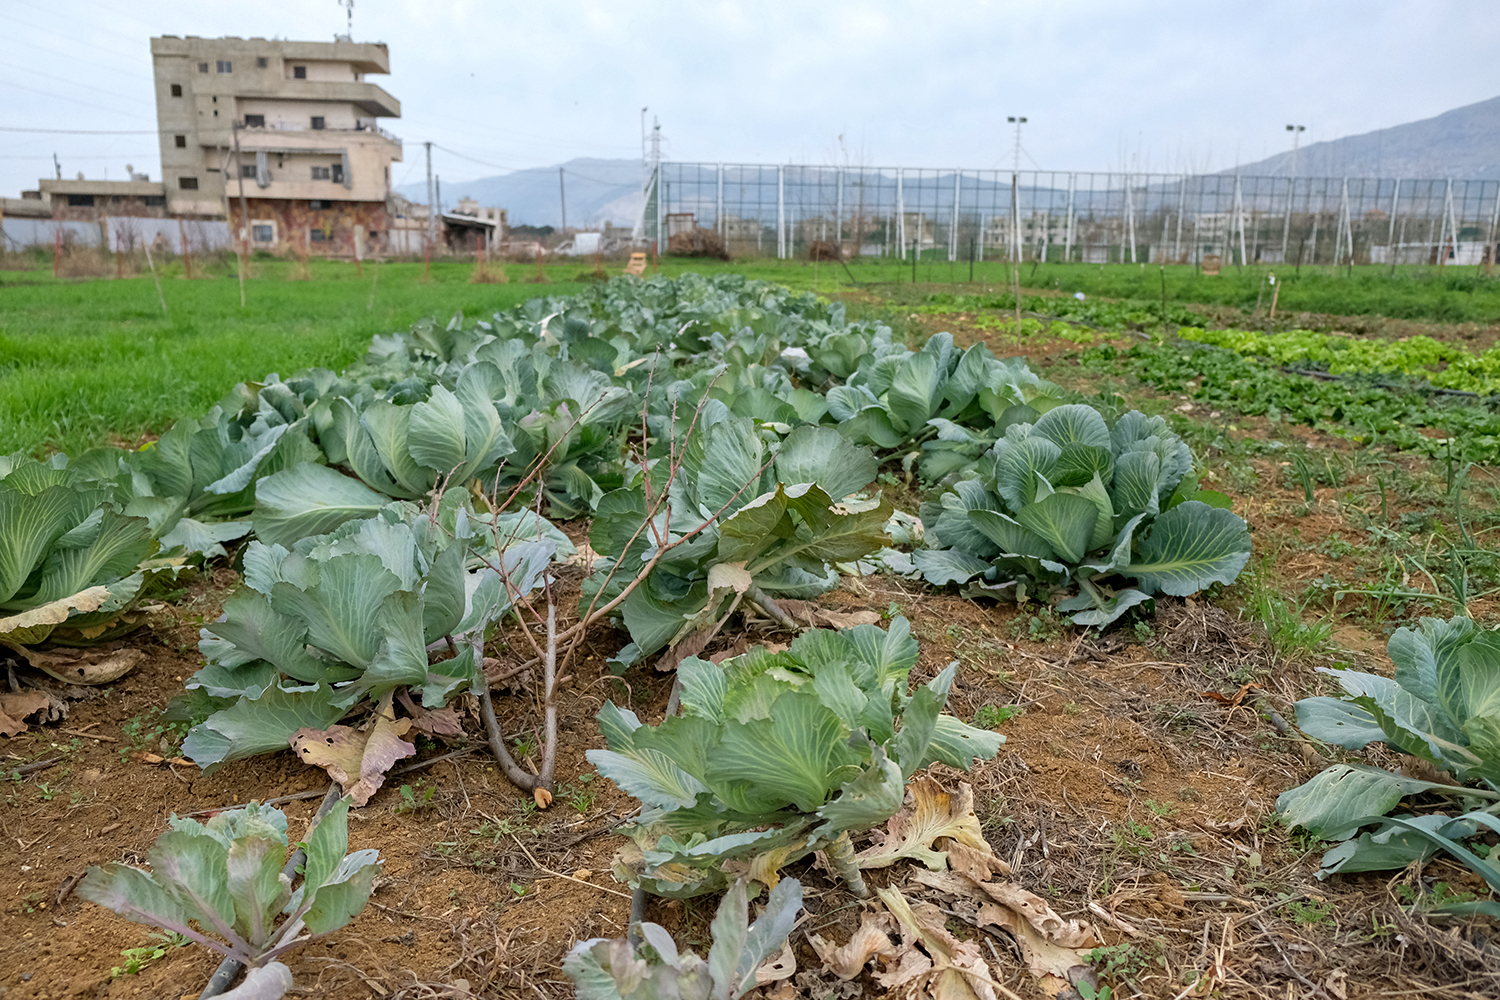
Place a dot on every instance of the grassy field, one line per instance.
(87, 363)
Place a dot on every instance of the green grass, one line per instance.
(94, 362)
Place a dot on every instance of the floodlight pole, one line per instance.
(1286, 227)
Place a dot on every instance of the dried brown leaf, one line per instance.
(932, 962)
(443, 721)
(929, 813)
(869, 941)
(86, 666)
(1050, 945)
(357, 759)
(15, 707)
(778, 967)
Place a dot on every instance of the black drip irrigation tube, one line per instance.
(229, 968)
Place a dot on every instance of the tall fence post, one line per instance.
(1391, 237)
(953, 229)
(838, 214)
(1239, 217)
(900, 214)
(1130, 216)
(780, 213)
(1489, 242)
(719, 210)
(1068, 236)
(1181, 201)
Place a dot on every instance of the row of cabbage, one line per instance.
(764, 415)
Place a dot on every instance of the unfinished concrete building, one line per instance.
(281, 137)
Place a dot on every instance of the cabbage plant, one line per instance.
(222, 885)
(615, 969)
(346, 615)
(1443, 706)
(1069, 502)
(739, 520)
(70, 559)
(776, 755)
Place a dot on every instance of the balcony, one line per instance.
(368, 97)
(255, 136)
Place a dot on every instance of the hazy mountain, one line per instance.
(598, 191)
(1463, 144)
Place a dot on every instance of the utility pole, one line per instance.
(244, 213)
(656, 177)
(431, 218)
(562, 191)
(1286, 227)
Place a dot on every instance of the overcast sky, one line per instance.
(1106, 84)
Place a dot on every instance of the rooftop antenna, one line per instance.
(348, 6)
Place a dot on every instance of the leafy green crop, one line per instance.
(775, 755)
(1360, 409)
(69, 557)
(605, 969)
(1069, 501)
(221, 884)
(347, 615)
(1442, 363)
(951, 402)
(771, 524)
(1130, 314)
(1443, 705)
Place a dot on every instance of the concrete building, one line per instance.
(287, 129)
(90, 200)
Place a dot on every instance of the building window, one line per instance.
(203, 67)
(338, 173)
(318, 235)
(247, 170)
(180, 141)
(225, 66)
(317, 204)
(261, 62)
(263, 232)
(155, 201)
(187, 183)
(176, 90)
(322, 174)
(299, 72)
(80, 201)
(318, 122)
(255, 121)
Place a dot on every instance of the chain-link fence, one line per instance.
(1098, 218)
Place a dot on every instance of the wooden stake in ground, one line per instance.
(187, 258)
(1275, 291)
(151, 264)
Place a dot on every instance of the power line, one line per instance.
(48, 156)
(80, 131)
(73, 100)
(71, 83)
